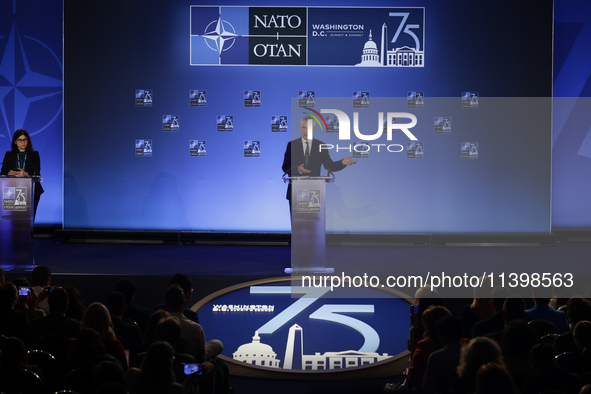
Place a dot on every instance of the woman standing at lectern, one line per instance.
(22, 160)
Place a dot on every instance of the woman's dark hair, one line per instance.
(156, 372)
(76, 307)
(88, 343)
(16, 135)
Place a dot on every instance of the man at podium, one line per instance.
(303, 156)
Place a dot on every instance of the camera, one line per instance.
(190, 369)
(24, 291)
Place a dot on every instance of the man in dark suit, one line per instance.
(138, 314)
(131, 333)
(303, 156)
(56, 321)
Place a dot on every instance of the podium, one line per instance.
(308, 224)
(16, 221)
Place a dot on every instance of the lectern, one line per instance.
(308, 224)
(16, 221)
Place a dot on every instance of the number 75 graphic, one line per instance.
(327, 312)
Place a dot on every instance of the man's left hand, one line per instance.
(347, 161)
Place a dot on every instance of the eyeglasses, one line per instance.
(22, 140)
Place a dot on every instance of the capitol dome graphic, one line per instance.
(257, 353)
(370, 56)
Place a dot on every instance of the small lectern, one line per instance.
(16, 221)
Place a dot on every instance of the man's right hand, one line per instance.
(303, 170)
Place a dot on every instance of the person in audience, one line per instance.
(13, 323)
(185, 283)
(496, 321)
(108, 372)
(156, 375)
(27, 303)
(130, 333)
(480, 309)
(97, 317)
(14, 356)
(192, 335)
(479, 351)
(586, 389)
(169, 330)
(88, 351)
(138, 314)
(41, 278)
(577, 309)
(2, 277)
(548, 375)
(56, 321)
(493, 378)
(516, 344)
(443, 363)
(513, 309)
(424, 298)
(426, 346)
(155, 318)
(542, 311)
(580, 361)
(76, 306)
(149, 336)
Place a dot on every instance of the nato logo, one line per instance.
(469, 150)
(385, 128)
(197, 148)
(330, 123)
(143, 97)
(30, 80)
(415, 99)
(442, 125)
(414, 150)
(198, 98)
(308, 201)
(143, 148)
(360, 99)
(171, 123)
(14, 199)
(279, 124)
(8, 199)
(248, 35)
(360, 150)
(252, 98)
(470, 100)
(225, 123)
(306, 98)
(252, 148)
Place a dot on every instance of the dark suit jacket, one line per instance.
(138, 314)
(32, 166)
(132, 334)
(487, 326)
(294, 157)
(54, 323)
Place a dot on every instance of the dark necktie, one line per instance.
(306, 155)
